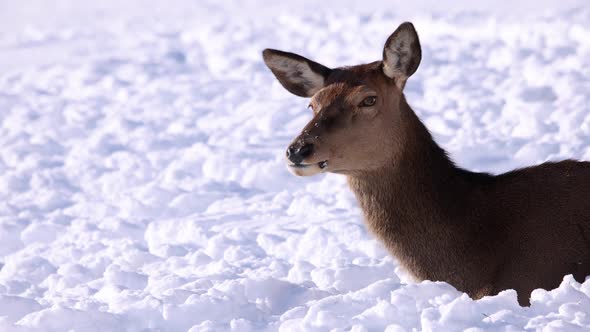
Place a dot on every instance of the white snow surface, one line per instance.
(142, 181)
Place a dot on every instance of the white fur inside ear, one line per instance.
(297, 72)
(392, 57)
(398, 55)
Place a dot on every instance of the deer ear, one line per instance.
(402, 54)
(297, 74)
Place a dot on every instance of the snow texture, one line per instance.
(142, 181)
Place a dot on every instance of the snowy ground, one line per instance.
(142, 186)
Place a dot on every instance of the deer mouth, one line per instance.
(308, 169)
(321, 165)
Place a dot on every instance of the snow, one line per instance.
(142, 182)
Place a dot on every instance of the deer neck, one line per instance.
(412, 203)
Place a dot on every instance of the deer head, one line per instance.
(356, 123)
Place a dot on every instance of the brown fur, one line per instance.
(481, 233)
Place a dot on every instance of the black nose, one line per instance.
(296, 152)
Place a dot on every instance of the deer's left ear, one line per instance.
(297, 74)
(402, 54)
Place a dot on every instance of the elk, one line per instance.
(481, 233)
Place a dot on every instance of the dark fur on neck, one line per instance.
(418, 205)
(521, 230)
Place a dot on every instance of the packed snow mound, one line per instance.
(143, 186)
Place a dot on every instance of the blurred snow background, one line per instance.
(142, 186)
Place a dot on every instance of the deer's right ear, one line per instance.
(402, 54)
(297, 74)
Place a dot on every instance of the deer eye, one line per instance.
(369, 101)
